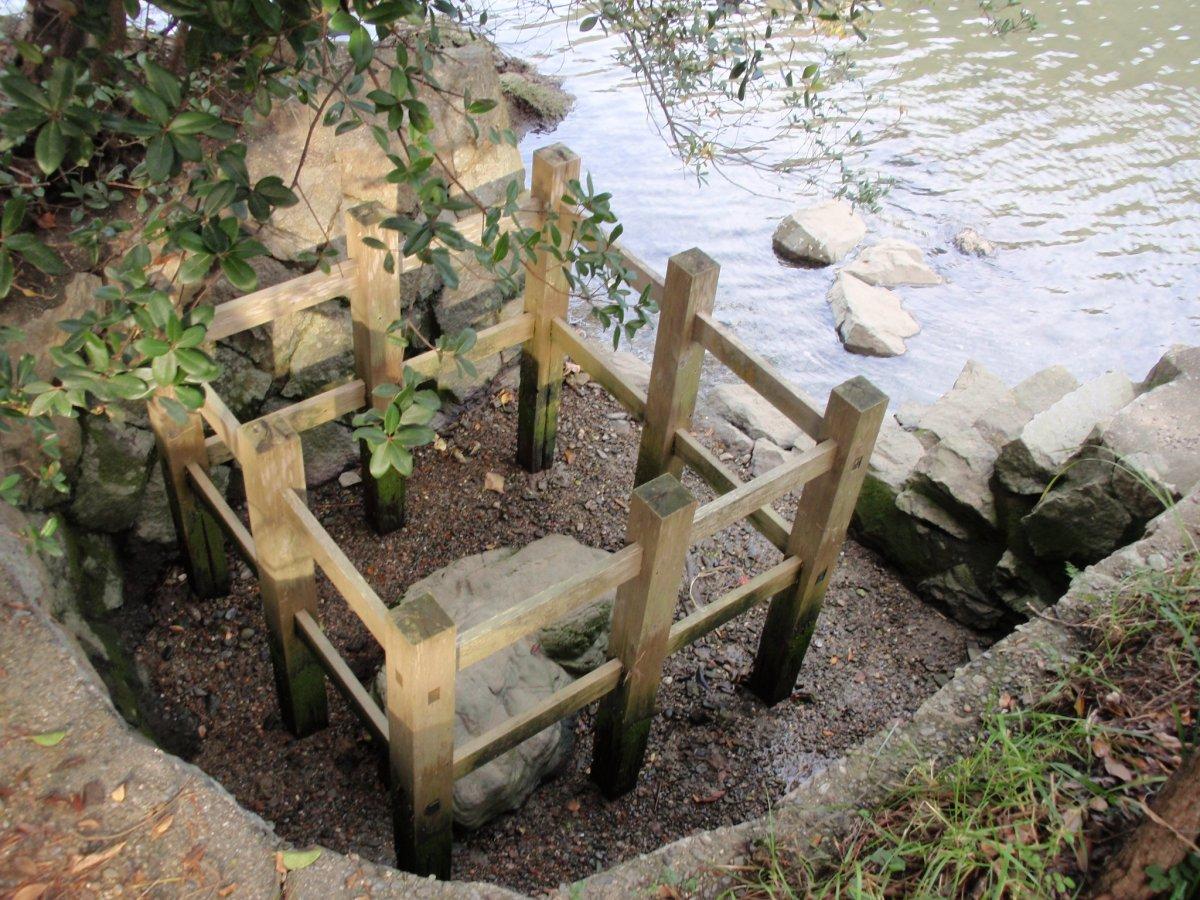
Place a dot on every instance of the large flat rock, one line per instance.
(471, 591)
(1028, 463)
(891, 263)
(1159, 434)
(820, 234)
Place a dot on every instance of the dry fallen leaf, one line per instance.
(118, 794)
(709, 798)
(573, 805)
(94, 859)
(227, 890)
(569, 456)
(161, 828)
(1117, 769)
(30, 892)
(439, 444)
(493, 481)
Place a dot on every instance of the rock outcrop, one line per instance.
(821, 234)
(984, 498)
(870, 320)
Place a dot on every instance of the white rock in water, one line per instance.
(870, 320)
(821, 234)
(893, 262)
(972, 243)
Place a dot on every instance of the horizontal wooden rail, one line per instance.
(733, 603)
(580, 349)
(280, 299)
(505, 736)
(360, 596)
(721, 479)
(758, 373)
(489, 342)
(763, 490)
(208, 493)
(303, 415)
(225, 424)
(546, 607)
(341, 676)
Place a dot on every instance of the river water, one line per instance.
(1076, 149)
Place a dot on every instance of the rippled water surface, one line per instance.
(1076, 149)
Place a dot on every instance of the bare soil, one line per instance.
(717, 755)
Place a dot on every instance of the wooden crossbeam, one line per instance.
(734, 603)
(360, 596)
(481, 750)
(761, 491)
(232, 525)
(546, 607)
(341, 676)
(721, 479)
(758, 373)
(581, 350)
(290, 296)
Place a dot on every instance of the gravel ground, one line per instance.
(716, 755)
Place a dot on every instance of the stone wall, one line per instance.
(985, 499)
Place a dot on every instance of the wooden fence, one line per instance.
(422, 646)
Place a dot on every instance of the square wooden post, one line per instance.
(852, 418)
(375, 303)
(199, 534)
(272, 463)
(691, 287)
(421, 667)
(660, 520)
(545, 297)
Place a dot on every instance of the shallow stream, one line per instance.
(1075, 149)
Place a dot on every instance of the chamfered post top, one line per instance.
(265, 434)
(860, 394)
(555, 155)
(694, 262)
(420, 618)
(664, 495)
(370, 213)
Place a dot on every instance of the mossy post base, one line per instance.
(546, 299)
(852, 419)
(383, 498)
(274, 464)
(421, 666)
(660, 520)
(200, 537)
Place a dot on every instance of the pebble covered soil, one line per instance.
(717, 756)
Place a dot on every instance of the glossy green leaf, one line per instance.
(50, 148)
(239, 273)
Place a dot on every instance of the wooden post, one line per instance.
(199, 534)
(660, 519)
(691, 287)
(273, 464)
(546, 298)
(421, 667)
(852, 419)
(375, 303)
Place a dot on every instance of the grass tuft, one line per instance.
(1049, 791)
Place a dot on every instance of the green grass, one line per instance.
(1048, 791)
